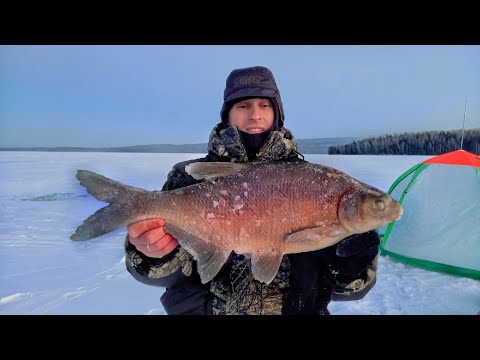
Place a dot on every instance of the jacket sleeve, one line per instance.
(354, 263)
(165, 271)
(162, 272)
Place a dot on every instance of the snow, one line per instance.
(43, 272)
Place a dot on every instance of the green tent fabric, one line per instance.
(440, 226)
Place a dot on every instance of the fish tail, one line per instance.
(118, 213)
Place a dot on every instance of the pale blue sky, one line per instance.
(131, 95)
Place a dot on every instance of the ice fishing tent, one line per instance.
(440, 226)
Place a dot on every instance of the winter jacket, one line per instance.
(305, 283)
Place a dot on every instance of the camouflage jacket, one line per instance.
(304, 284)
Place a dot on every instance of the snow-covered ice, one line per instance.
(43, 272)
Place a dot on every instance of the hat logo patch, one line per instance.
(247, 80)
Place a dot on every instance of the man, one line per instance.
(251, 130)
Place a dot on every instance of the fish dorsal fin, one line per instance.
(265, 266)
(212, 170)
(210, 258)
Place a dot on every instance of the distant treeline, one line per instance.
(419, 143)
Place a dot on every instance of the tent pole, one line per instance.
(463, 126)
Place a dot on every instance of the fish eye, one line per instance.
(379, 204)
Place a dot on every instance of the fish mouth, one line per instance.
(399, 213)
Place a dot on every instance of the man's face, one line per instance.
(252, 116)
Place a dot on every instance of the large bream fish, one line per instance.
(262, 210)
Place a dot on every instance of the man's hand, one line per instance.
(150, 238)
(359, 244)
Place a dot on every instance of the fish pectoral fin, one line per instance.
(265, 266)
(210, 258)
(319, 233)
(212, 170)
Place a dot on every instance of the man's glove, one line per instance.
(358, 244)
(354, 254)
(355, 265)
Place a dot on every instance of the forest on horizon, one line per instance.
(413, 143)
